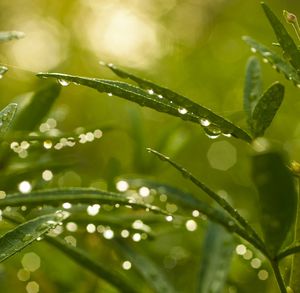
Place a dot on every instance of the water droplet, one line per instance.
(27, 237)
(253, 50)
(110, 94)
(160, 96)
(182, 111)
(212, 131)
(204, 122)
(151, 92)
(63, 82)
(226, 134)
(265, 60)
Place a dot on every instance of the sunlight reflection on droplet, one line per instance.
(191, 225)
(31, 261)
(24, 187)
(47, 144)
(126, 265)
(137, 224)
(32, 287)
(125, 233)
(91, 228)
(263, 275)
(144, 191)
(66, 205)
(93, 210)
(47, 175)
(169, 218)
(240, 249)
(195, 213)
(122, 185)
(136, 237)
(151, 92)
(23, 275)
(71, 226)
(204, 122)
(182, 111)
(108, 234)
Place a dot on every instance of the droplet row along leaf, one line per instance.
(159, 99)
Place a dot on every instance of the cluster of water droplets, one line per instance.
(255, 262)
(211, 129)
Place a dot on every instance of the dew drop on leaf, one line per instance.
(63, 82)
(182, 111)
(204, 122)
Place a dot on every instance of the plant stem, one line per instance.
(295, 269)
(278, 276)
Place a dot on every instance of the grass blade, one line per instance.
(266, 108)
(166, 102)
(24, 234)
(56, 197)
(88, 262)
(278, 198)
(285, 40)
(11, 35)
(6, 117)
(253, 85)
(146, 267)
(219, 200)
(217, 254)
(36, 107)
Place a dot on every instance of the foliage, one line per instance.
(135, 207)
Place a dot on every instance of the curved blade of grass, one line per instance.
(11, 35)
(275, 60)
(36, 107)
(24, 234)
(288, 251)
(56, 197)
(146, 267)
(253, 85)
(285, 40)
(278, 198)
(219, 200)
(88, 262)
(266, 109)
(167, 102)
(6, 117)
(217, 254)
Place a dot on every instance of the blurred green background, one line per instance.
(192, 47)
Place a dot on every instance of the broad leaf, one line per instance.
(6, 117)
(277, 196)
(285, 40)
(36, 107)
(266, 108)
(253, 85)
(57, 197)
(146, 267)
(11, 35)
(275, 60)
(24, 234)
(162, 100)
(79, 256)
(217, 254)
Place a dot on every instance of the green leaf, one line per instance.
(275, 60)
(24, 234)
(253, 85)
(6, 117)
(277, 195)
(285, 40)
(162, 100)
(217, 254)
(79, 256)
(58, 196)
(36, 107)
(11, 35)
(146, 267)
(266, 108)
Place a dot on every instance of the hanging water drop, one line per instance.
(204, 122)
(182, 111)
(63, 82)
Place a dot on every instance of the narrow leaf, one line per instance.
(266, 108)
(275, 60)
(88, 262)
(146, 267)
(36, 107)
(217, 254)
(6, 117)
(253, 85)
(277, 195)
(285, 40)
(163, 101)
(24, 234)
(56, 197)
(11, 35)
